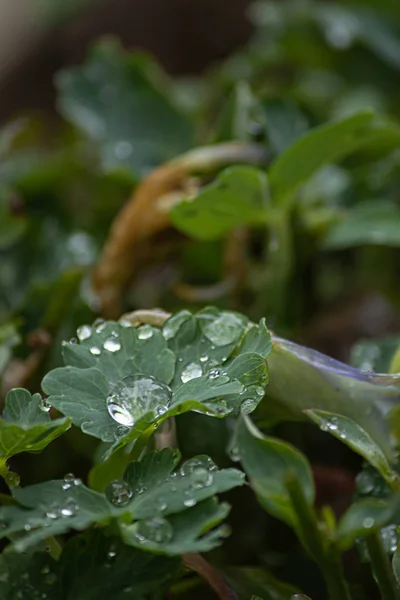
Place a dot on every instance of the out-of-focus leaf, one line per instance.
(149, 489)
(284, 123)
(12, 225)
(79, 573)
(396, 565)
(239, 196)
(117, 100)
(366, 517)
(8, 339)
(253, 580)
(25, 425)
(320, 146)
(375, 222)
(268, 463)
(354, 436)
(241, 117)
(375, 355)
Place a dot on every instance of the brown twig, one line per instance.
(147, 213)
(208, 573)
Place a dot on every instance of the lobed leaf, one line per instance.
(26, 426)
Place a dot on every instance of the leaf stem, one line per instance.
(54, 547)
(381, 567)
(320, 548)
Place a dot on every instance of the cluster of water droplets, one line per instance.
(26, 587)
(110, 344)
(135, 395)
(333, 425)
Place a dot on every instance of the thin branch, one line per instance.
(208, 573)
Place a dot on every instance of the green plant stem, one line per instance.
(381, 567)
(322, 551)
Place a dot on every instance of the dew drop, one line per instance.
(214, 373)
(145, 332)
(162, 504)
(134, 396)
(234, 453)
(121, 431)
(248, 405)
(200, 470)
(156, 529)
(68, 482)
(224, 329)
(95, 350)
(332, 424)
(365, 483)
(12, 479)
(191, 371)
(84, 332)
(123, 149)
(112, 345)
(99, 325)
(189, 500)
(204, 358)
(119, 492)
(368, 522)
(44, 405)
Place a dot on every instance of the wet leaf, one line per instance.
(354, 436)
(79, 573)
(119, 381)
(366, 517)
(254, 580)
(149, 488)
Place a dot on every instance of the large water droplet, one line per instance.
(171, 326)
(223, 330)
(200, 469)
(156, 529)
(119, 492)
(84, 332)
(191, 371)
(145, 332)
(12, 479)
(112, 345)
(44, 405)
(136, 395)
(95, 351)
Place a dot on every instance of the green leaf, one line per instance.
(376, 222)
(354, 436)
(26, 426)
(322, 145)
(255, 580)
(268, 463)
(240, 115)
(257, 339)
(79, 573)
(366, 517)
(150, 488)
(188, 531)
(189, 361)
(238, 196)
(329, 385)
(119, 100)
